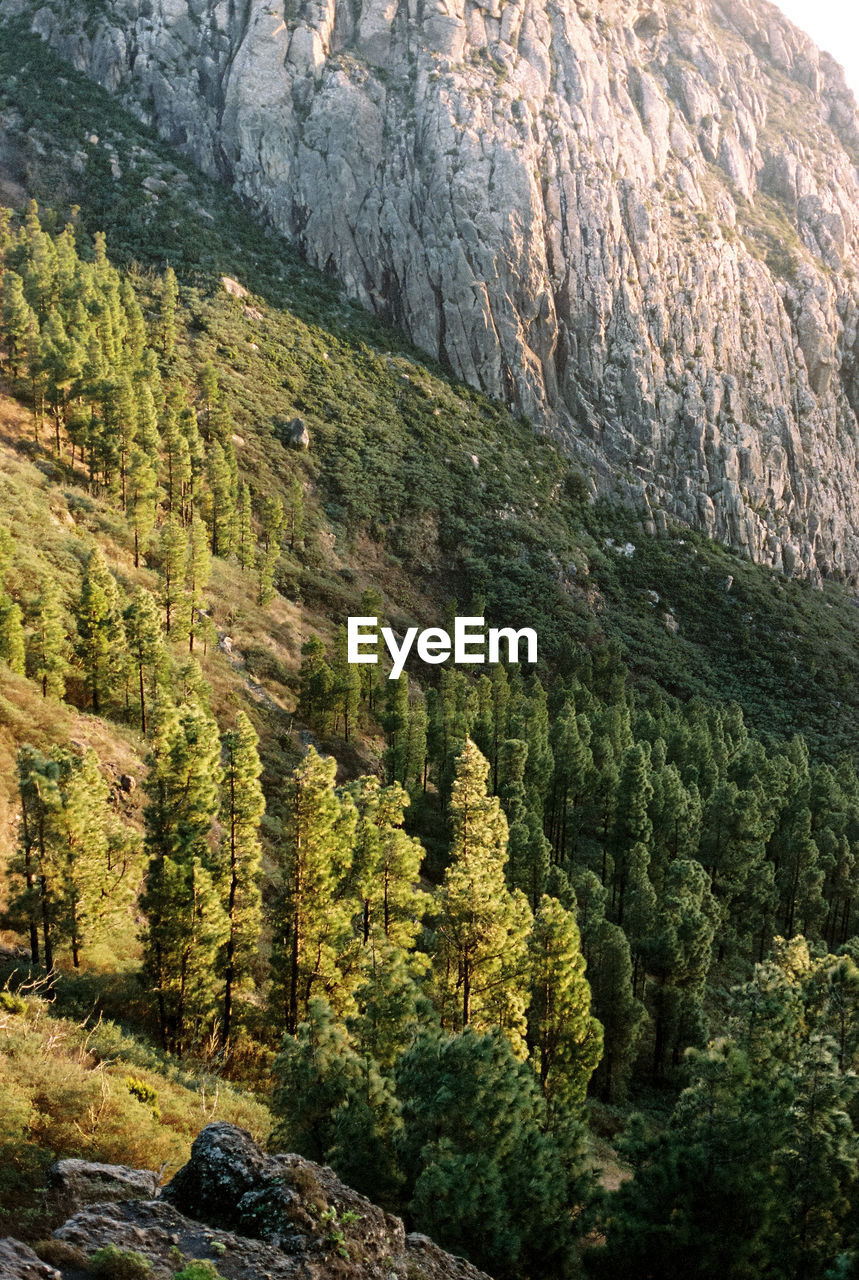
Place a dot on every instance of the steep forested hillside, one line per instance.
(449, 931)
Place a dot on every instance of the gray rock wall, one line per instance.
(636, 221)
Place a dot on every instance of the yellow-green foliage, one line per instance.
(64, 1091)
(203, 1270)
(113, 1263)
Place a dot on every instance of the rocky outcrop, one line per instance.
(252, 1214)
(635, 220)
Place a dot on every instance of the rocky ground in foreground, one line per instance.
(254, 1216)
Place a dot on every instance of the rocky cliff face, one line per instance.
(635, 220)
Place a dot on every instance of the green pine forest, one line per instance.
(560, 962)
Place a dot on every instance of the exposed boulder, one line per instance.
(225, 1165)
(156, 1230)
(233, 287)
(297, 434)
(18, 1262)
(81, 1182)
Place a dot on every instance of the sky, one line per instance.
(834, 26)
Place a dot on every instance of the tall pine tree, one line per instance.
(242, 807)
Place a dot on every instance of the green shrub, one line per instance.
(61, 1254)
(144, 1093)
(10, 1003)
(200, 1270)
(114, 1263)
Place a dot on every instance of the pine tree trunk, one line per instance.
(76, 954)
(466, 992)
(46, 925)
(292, 1005)
(142, 694)
(229, 976)
(28, 881)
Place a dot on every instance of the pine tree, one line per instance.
(632, 823)
(169, 299)
(395, 722)
(450, 725)
(38, 784)
(757, 1169)
(186, 922)
(119, 413)
(500, 715)
(566, 1039)
(135, 340)
(530, 721)
(483, 1175)
(347, 684)
(312, 924)
(62, 869)
(171, 569)
(269, 553)
(798, 875)
(242, 807)
(13, 647)
(528, 849)
(271, 522)
(676, 816)
(222, 504)
(146, 653)
(702, 1196)
(529, 857)
(62, 360)
(142, 493)
(145, 431)
(293, 516)
(266, 566)
(573, 766)
(482, 728)
(316, 685)
(102, 637)
(621, 1015)
(416, 769)
(82, 855)
(372, 606)
(198, 570)
(210, 394)
(334, 1106)
(244, 533)
(680, 960)
(191, 464)
(386, 865)
(175, 462)
(19, 321)
(733, 850)
(49, 643)
(480, 940)
(390, 1003)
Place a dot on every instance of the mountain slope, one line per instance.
(414, 483)
(637, 225)
(682, 831)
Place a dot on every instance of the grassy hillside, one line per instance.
(73, 1089)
